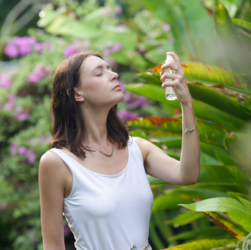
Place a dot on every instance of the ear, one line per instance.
(77, 94)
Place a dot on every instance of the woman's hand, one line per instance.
(177, 80)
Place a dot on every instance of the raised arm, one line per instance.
(51, 178)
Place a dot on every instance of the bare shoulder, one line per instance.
(144, 146)
(50, 163)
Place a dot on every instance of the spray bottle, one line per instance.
(170, 95)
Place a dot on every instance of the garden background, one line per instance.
(212, 39)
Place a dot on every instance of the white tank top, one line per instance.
(109, 212)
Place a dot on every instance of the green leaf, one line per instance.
(208, 74)
(238, 58)
(235, 195)
(186, 218)
(225, 222)
(242, 24)
(246, 203)
(211, 175)
(206, 244)
(222, 204)
(201, 109)
(202, 233)
(219, 100)
(208, 132)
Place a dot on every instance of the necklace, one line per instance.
(103, 152)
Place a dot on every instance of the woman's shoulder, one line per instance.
(143, 145)
(51, 162)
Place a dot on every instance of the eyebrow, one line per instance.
(101, 67)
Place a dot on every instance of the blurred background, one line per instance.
(213, 40)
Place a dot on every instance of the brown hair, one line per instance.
(68, 125)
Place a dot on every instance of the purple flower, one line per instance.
(5, 82)
(129, 97)
(42, 138)
(25, 49)
(38, 73)
(126, 115)
(116, 47)
(22, 92)
(69, 51)
(118, 9)
(166, 27)
(20, 114)
(10, 104)
(33, 78)
(41, 72)
(11, 50)
(107, 52)
(13, 148)
(31, 157)
(26, 40)
(39, 47)
(67, 230)
(107, 11)
(139, 102)
(3, 206)
(22, 150)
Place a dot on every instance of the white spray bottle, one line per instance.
(170, 95)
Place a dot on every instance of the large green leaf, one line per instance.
(201, 233)
(219, 100)
(185, 218)
(227, 244)
(238, 58)
(208, 74)
(223, 204)
(202, 110)
(191, 27)
(214, 175)
(208, 132)
(242, 24)
(225, 222)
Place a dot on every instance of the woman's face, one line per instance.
(97, 81)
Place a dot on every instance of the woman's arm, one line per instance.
(51, 178)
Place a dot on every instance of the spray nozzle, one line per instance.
(169, 59)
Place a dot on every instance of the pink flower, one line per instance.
(42, 138)
(118, 9)
(20, 114)
(25, 49)
(107, 11)
(13, 148)
(38, 73)
(33, 78)
(126, 115)
(10, 104)
(11, 50)
(139, 102)
(39, 47)
(5, 82)
(116, 47)
(22, 150)
(166, 27)
(107, 52)
(129, 97)
(3, 206)
(69, 51)
(31, 157)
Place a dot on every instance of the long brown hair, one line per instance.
(68, 125)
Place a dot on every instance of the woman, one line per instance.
(95, 172)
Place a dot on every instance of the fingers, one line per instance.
(172, 65)
(166, 76)
(170, 83)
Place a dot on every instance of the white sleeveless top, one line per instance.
(109, 212)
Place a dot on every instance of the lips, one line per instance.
(116, 86)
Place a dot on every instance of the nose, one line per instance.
(114, 76)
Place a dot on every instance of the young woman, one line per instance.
(95, 172)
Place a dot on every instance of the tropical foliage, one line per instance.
(215, 50)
